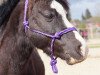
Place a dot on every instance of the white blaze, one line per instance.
(59, 8)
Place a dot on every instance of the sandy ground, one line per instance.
(91, 66)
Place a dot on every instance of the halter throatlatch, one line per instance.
(57, 35)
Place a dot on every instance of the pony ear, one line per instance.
(64, 3)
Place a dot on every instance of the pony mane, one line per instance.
(5, 10)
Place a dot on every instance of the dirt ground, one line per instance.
(91, 66)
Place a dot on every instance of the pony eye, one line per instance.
(48, 14)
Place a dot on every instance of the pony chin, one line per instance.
(73, 61)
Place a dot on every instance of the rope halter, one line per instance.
(57, 35)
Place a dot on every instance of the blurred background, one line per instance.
(85, 15)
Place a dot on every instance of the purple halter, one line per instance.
(53, 37)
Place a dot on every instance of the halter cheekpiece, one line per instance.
(57, 35)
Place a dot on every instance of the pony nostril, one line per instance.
(79, 46)
(79, 50)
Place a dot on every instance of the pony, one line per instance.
(18, 48)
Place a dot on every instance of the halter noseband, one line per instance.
(57, 35)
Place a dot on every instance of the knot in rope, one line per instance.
(57, 36)
(25, 23)
(53, 64)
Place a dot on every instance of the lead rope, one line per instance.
(53, 37)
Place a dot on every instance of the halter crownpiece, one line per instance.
(57, 35)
